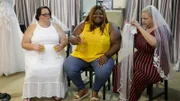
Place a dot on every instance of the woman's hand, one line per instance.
(134, 23)
(126, 22)
(75, 39)
(102, 60)
(39, 48)
(58, 47)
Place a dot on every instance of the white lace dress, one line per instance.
(11, 52)
(44, 70)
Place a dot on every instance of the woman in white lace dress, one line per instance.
(11, 52)
(44, 42)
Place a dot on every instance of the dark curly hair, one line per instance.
(38, 12)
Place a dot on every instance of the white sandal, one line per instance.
(94, 98)
(78, 98)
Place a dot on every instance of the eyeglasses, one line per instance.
(46, 14)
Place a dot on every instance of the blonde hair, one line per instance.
(147, 10)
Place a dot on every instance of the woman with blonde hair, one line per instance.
(151, 62)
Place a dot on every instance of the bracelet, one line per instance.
(75, 35)
(107, 55)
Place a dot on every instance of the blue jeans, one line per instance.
(73, 66)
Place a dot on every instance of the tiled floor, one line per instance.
(13, 85)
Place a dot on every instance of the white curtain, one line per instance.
(68, 11)
(176, 29)
(164, 6)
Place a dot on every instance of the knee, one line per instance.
(70, 69)
(67, 67)
(104, 72)
(103, 75)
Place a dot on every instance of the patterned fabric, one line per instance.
(7, 14)
(144, 72)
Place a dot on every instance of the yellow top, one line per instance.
(93, 45)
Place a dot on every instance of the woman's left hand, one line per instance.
(58, 47)
(102, 60)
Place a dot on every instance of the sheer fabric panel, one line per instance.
(68, 11)
(169, 10)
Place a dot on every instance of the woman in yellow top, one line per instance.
(97, 41)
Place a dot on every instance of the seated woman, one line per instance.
(97, 41)
(151, 61)
(44, 42)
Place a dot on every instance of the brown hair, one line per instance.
(89, 18)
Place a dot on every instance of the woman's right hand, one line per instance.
(126, 22)
(75, 39)
(39, 48)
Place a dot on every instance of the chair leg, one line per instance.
(109, 84)
(147, 90)
(104, 91)
(90, 78)
(113, 79)
(86, 73)
(150, 92)
(166, 90)
(69, 81)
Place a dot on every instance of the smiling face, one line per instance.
(98, 17)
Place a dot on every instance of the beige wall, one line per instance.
(119, 3)
(115, 16)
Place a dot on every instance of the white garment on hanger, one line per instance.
(11, 52)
